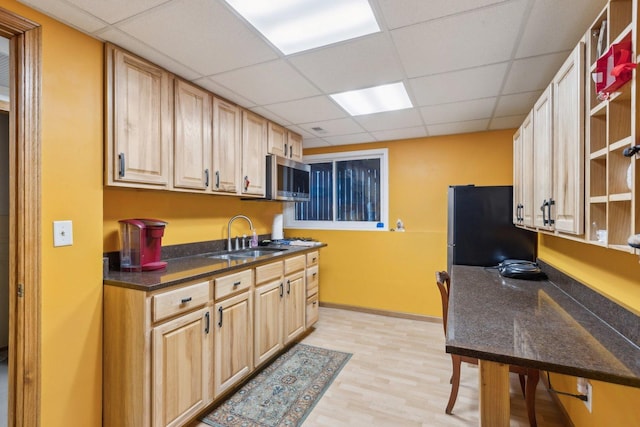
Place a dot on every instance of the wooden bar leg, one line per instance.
(494, 394)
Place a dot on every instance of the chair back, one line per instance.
(444, 283)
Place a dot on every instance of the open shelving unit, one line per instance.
(611, 127)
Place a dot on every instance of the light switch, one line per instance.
(62, 233)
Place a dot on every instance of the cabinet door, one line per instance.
(543, 160)
(139, 124)
(269, 300)
(254, 146)
(181, 357)
(517, 176)
(227, 136)
(233, 350)
(568, 144)
(294, 306)
(277, 140)
(192, 145)
(526, 188)
(295, 146)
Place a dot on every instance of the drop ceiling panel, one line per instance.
(509, 122)
(461, 41)
(363, 62)
(113, 11)
(223, 92)
(333, 128)
(134, 45)
(68, 14)
(201, 33)
(267, 83)
(408, 12)
(405, 133)
(458, 127)
(519, 103)
(390, 120)
(308, 110)
(271, 116)
(314, 143)
(534, 73)
(541, 33)
(481, 82)
(355, 138)
(458, 111)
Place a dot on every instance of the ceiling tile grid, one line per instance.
(467, 65)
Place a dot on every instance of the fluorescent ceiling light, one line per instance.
(297, 25)
(374, 99)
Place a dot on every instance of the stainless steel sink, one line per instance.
(247, 253)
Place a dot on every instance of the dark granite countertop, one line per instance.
(180, 270)
(535, 324)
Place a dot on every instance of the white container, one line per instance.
(277, 232)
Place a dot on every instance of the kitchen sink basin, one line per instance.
(247, 253)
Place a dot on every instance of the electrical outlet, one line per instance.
(62, 233)
(589, 393)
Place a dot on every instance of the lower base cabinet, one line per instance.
(181, 360)
(171, 353)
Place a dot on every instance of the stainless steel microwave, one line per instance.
(287, 180)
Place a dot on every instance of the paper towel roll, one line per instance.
(276, 229)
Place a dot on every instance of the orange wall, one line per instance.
(395, 271)
(71, 311)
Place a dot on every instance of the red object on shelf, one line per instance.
(613, 69)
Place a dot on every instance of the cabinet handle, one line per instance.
(121, 165)
(288, 287)
(207, 318)
(550, 203)
(236, 284)
(291, 151)
(281, 289)
(220, 321)
(217, 179)
(544, 212)
(285, 150)
(206, 178)
(314, 303)
(520, 210)
(314, 259)
(246, 183)
(315, 274)
(185, 300)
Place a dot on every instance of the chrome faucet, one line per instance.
(229, 229)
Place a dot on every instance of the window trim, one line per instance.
(379, 153)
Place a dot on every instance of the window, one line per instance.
(348, 192)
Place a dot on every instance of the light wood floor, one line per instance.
(399, 376)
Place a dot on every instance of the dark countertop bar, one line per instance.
(534, 324)
(180, 270)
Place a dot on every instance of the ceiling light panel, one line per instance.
(376, 99)
(298, 25)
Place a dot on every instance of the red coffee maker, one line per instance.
(140, 244)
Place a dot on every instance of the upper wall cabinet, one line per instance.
(192, 142)
(227, 139)
(548, 153)
(283, 142)
(138, 130)
(612, 178)
(254, 145)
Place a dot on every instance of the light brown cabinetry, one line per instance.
(283, 142)
(157, 355)
(192, 142)
(312, 285)
(233, 347)
(612, 179)
(269, 302)
(548, 149)
(294, 297)
(227, 136)
(138, 129)
(254, 147)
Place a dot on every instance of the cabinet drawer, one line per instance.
(167, 304)
(265, 273)
(313, 312)
(312, 280)
(294, 263)
(232, 283)
(313, 258)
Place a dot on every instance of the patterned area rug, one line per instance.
(284, 393)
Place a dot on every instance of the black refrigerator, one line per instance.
(480, 228)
